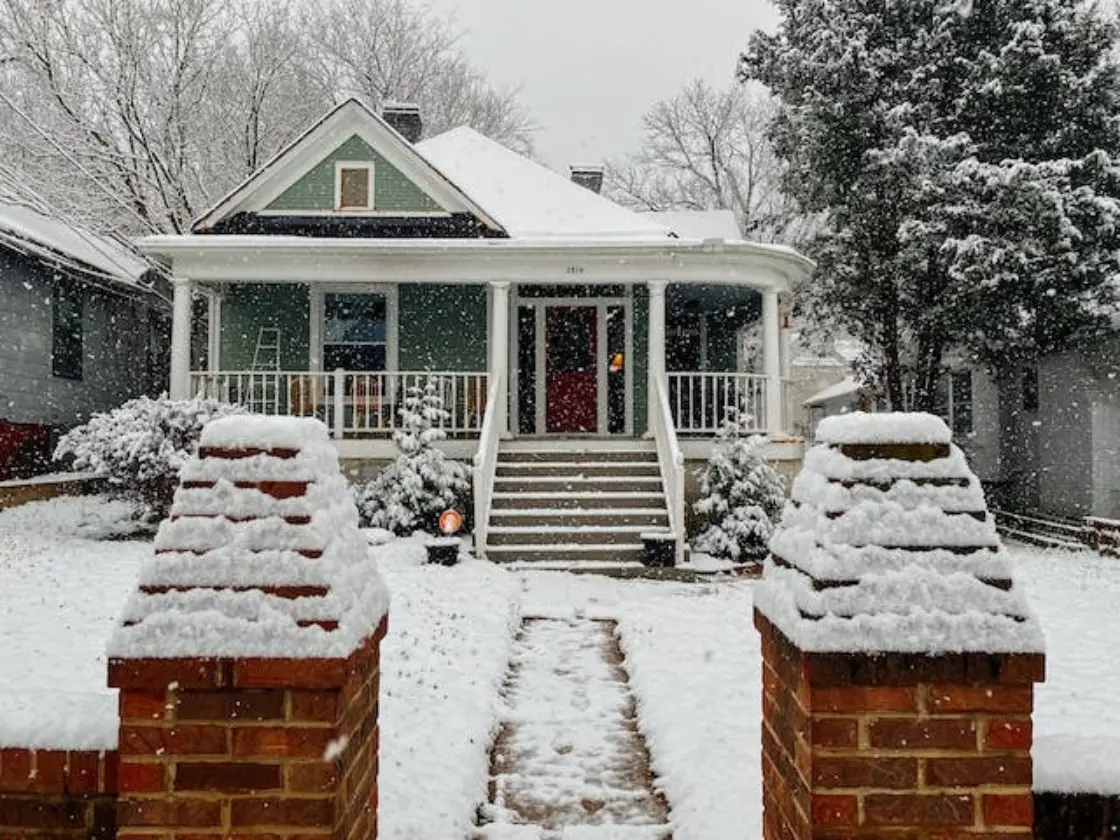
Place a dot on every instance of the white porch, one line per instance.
(682, 408)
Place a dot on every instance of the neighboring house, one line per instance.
(359, 261)
(1060, 433)
(81, 330)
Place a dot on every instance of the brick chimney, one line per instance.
(405, 118)
(899, 655)
(589, 177)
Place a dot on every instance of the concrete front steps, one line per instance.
(574, 501)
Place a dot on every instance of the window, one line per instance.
(355, 332)
(355, 187)
(1030, 389)
(960, 405)
(67, 309)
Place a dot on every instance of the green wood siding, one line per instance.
(443, 327)
(391, 189)
(246, 309)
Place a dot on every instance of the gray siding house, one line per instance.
(83, 328)
(1060, 433)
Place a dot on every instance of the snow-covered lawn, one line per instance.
(691, 654)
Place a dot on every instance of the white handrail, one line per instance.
(670, 459)
(486, 461)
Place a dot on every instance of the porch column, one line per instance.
(499, 347)
(214, 331)
(180, 385)
(657, 327)
(772, 363)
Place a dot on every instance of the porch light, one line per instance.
(450, 522)
(617, 364)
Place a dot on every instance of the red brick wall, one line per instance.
(898, 744)
(57, 794)
(239, 746)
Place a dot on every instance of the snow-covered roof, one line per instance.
(887, 546)
(527, 199)
(698, 224)
(844, 388)
(44, 237)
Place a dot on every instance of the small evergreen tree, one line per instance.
(410, 494)
(741, 495)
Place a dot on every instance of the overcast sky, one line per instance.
(589, 69)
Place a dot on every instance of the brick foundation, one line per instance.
(57, 794)
(222, 747)
(895, 745)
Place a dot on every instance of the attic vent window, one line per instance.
(354, 187)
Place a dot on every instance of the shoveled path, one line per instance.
(569, 763)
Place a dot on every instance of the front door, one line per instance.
(571, 373)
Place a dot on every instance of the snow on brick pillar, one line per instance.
(899, 653)
(247, 661)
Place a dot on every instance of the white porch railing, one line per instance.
(350, 403)
(486, 461)
(699, 401)
(671, 460)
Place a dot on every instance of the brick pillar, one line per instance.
(862, 746)
(52, 794)
(898, 673)
(229, 746)
(247, 661)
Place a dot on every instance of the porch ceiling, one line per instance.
(248, 259)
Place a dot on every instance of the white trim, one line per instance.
(279, 259)
(347, 120)
(340, 165)
(602, 363)
(391, 293)
(214, 331)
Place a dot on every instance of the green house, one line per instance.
(362, 260)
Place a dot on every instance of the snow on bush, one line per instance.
(141, 446)
(410, 494)
(741, 495)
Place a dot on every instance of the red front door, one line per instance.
(571, 375)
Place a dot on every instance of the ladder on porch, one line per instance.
(266, 355)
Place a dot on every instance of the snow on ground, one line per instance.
(1077, 719)
(691, 656)
(443, 663)
(62, 594)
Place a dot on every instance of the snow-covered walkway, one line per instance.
(569, 761)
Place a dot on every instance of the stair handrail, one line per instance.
(670, 459)
(486, 461)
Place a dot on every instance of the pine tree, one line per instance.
(410, 494)
(741, 495)
(964, 152)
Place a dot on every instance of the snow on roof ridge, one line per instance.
(262, 555)
(526, 198)
(892, 553)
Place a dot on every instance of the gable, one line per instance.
(393, 191)
(294, 193)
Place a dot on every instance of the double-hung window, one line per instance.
(355, 331)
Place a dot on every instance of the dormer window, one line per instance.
(353, 186)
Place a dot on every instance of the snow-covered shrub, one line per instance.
(140, 446)
(410, 494)
(741, 495)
